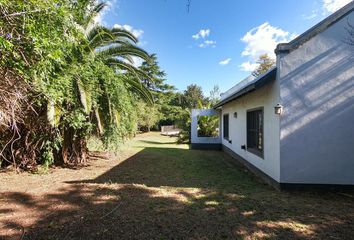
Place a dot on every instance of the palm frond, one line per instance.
(120, 41)
(123, 50)
(85, 97)
(125, 34)
(99, 7)
(128, 67)
(140, 89)
(128, 58)
(137, 86)
(100, 36)
(93, 12)
(101, 39)
(98, 30)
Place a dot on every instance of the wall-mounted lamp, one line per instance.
(278, 109)
(235, 114)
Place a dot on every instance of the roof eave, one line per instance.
(240, 93)
(258, 83)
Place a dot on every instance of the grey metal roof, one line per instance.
(257, 83)
(318, 28)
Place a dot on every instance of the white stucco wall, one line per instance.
(317, 92)
(266, 97)
(194, 126)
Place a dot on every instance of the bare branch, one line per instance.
(188, 5)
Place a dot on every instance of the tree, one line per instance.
(74, 79)
(265, 63)
(154, 78)
(99, 46)
(147, 116)
(179, 108)
(192, 96)
(214, 95)
(38, 34)
(154, 81)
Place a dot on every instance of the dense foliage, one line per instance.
(64, 79)
(180, 111)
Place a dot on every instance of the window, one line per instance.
(226, 126)
(255, 131)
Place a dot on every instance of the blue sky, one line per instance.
(216, 42)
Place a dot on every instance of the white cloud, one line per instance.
(331, 6)
(142, 43)
(137, 61)
(326, 7)
(262, 40)
(248, 66)
(136, 32)
(314, 13)
(225, 62)
(98, 19)
(203, 33)
(207, 43)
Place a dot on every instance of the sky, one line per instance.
(215, 42)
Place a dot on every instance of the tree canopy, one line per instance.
(264, 64)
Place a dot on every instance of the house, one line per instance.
(294, 125)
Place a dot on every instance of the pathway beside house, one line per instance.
(157, 189)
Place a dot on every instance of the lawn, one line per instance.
(156, 189)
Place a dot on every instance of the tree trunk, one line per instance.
(74, 149)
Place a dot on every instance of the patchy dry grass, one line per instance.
(157, 189)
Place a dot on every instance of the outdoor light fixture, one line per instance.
(278, 109)
(235, 114)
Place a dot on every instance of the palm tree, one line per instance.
(115, 48)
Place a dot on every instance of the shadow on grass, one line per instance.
(170, 193)
(157, 143)
(174, 167)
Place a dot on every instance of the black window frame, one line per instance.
(224, 126)
(254, 149)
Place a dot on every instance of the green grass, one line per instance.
(212, 190)
(162, 190)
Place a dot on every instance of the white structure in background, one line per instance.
(294, 125)
(202, 141)
(170, 130)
